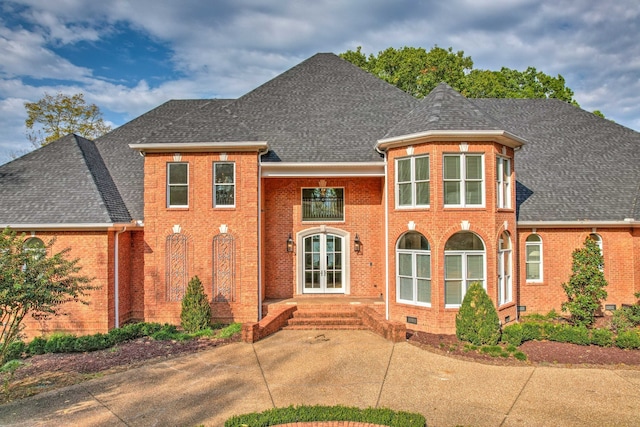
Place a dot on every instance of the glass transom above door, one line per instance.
(323, 264)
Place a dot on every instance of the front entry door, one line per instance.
(323, 261)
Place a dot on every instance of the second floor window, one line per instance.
(177, 185)
(412, 182)
(463, 177)
(224, 184)
(503, 181)
(323, 204)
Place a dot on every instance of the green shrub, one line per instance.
(602, 337)
(169, 332)
(125, 333)
(93, 342)
(14, 351)
(628, 339)
(60, 343)
(477, 320)
(37, 346)
(585, 288)
(196, 311)
(520, 355)
(531, 331)
(231, 330)
(571, 334)
(626, 318)
(293, 414)
(512, 334)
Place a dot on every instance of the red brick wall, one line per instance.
(200, 223)
(364, 215)
(620, 251)
(438, 224)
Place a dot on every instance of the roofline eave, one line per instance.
(236, 146)
(625, 223)
(501, 136)
(318, 169)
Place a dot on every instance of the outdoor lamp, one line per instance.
(357, 244)
(289, 244)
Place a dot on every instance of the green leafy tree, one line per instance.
(55, 116)
(196, 311)
(477, 320)
(586, 287)
(34, 282)
(418, 72)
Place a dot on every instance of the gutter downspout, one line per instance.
(117, 277)
(386, 236)
(260, 154)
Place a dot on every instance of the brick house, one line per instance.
(327, 181)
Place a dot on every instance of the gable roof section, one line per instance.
(444, 115)
(125, 165)
(575, 166)
(324, 110)
(65, 182)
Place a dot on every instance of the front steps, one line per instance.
(309, 317)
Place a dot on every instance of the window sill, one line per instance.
(412, 208)
(535, 283)
(414, 304)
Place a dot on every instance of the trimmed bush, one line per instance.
(602, 337)
(37, 346)
(93, 342)
(477, 320)
(626, 318)
(14, 351)
(60, 343)
(531, 331)
(628, 339)
(196, 311)
(571, 334)
(512, 334)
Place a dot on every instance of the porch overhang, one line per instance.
(301, 170)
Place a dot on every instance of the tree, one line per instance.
(60, 115)
(196, 311)
(586, 287)
(34, 282)
(477, 320)
(418, 72)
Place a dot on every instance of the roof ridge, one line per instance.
(102, 179)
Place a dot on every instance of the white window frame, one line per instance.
(527, 261)
(169, 185)
(413, 182)
(462, 180)
(466, 281)
(414, 275)
(503, 182)
(598, 239)
(505, 278)
(226, 184)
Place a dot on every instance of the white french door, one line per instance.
(323, 264)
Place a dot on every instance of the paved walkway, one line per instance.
(355, 368)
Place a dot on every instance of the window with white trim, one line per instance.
(464, 263)
(598, 239)
(505, 268)
(503, 182)
(463, 177)
(177, 185)
(224, 184)
(533, 258)
(413, 266)
(35, 247)
(412, 182)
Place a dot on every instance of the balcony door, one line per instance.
(323, 264)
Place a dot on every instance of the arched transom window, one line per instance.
(413, 256)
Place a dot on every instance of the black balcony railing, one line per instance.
(323, 209)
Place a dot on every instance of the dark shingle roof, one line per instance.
(444, 109)
(63, 182)
(575, 165)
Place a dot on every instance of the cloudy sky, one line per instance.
(130, 56)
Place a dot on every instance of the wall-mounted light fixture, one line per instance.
(289, 244)
(357, 244)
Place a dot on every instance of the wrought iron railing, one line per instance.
(323, 209)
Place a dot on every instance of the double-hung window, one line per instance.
(463, 178)
(414, 269)
(533, 258)
(505, 289)
(224, 184)
(177, 185)
(464, 263)
(503, 179)
(412, 182)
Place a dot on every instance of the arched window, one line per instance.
(533, 258)
(464, 263)
(413, 259)
(505, 293)
(598, 239)
(35, 246)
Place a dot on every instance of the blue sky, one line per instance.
(130, 56)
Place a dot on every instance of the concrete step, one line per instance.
(328, 321)
(304, 313)
(325, 328)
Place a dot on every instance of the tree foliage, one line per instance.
(32, 281)
(196, 311)
(586, 287)
(55, 116)
(477, 320)
(418, 72)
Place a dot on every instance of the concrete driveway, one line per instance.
(355, 368)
